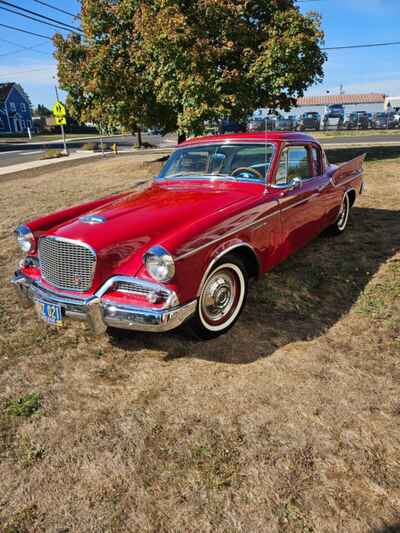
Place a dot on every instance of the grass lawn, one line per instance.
(289, 423)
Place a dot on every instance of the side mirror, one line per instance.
(296, 183)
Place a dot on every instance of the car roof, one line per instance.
(257, 136)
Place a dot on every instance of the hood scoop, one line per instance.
(93, 219)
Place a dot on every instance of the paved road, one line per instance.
(13, 154)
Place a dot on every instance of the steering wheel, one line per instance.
(239, 170)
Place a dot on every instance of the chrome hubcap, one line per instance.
(219, 295)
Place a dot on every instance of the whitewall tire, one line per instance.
(221, 298)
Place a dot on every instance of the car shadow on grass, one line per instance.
(393, 528)
(299, 300)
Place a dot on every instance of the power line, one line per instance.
(351, 46)
(26, 31)
(39, 15)
(23, 48)
(5, 75)
(34, 19)
(55, 8)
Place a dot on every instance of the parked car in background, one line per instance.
(384, 121)
(283, 123)
(256, 124)
(293, 122)
(228, 125)
(309, 121)
(224, 209)
(357, 120)
(334, 117)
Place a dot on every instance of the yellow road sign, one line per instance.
(60, 121)
(58, 109)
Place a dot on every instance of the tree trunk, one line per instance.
(181, 138)
(139, 138)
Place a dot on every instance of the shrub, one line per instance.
(52, 153)
(90, 147)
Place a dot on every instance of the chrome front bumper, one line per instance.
(99, 313)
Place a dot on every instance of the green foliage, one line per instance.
(179, 64)
(26, 405)
(52, 153)
(42, 111)
(91, 147)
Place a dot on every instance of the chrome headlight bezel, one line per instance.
(25, 239)
(159, 264)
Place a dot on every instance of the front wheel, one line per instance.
(222, 298)
(341, 222)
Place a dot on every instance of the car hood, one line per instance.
(138, 220)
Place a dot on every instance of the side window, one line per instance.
(316, 159)
(23, 107)
(13, 106)
(293, 164)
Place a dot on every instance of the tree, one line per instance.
(179, 63)
(42, 111)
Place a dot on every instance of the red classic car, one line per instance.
(223, 209)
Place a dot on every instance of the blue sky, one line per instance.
(344, 22)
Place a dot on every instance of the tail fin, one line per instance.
(349, 169)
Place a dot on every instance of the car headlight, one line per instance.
(25, 239)
(159, 264)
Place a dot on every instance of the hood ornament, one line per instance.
(93, 219)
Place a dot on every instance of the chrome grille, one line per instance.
(66, 264)
(136, 288)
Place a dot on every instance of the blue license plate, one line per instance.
(51, 313)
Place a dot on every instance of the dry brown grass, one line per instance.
(288, 423)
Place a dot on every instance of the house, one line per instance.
(15, 109)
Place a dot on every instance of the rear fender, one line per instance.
(348, 171)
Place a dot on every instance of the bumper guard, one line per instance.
(99, 313)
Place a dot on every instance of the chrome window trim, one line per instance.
(263, 182)
(229, 234)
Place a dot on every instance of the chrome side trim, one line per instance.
(218, 257)
(304, 201)
(341, 184)
(229, 234)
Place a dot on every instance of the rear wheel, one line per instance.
(222, 298)
(341, 223)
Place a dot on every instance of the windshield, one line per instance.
(246, 161)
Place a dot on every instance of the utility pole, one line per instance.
(62, 128)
